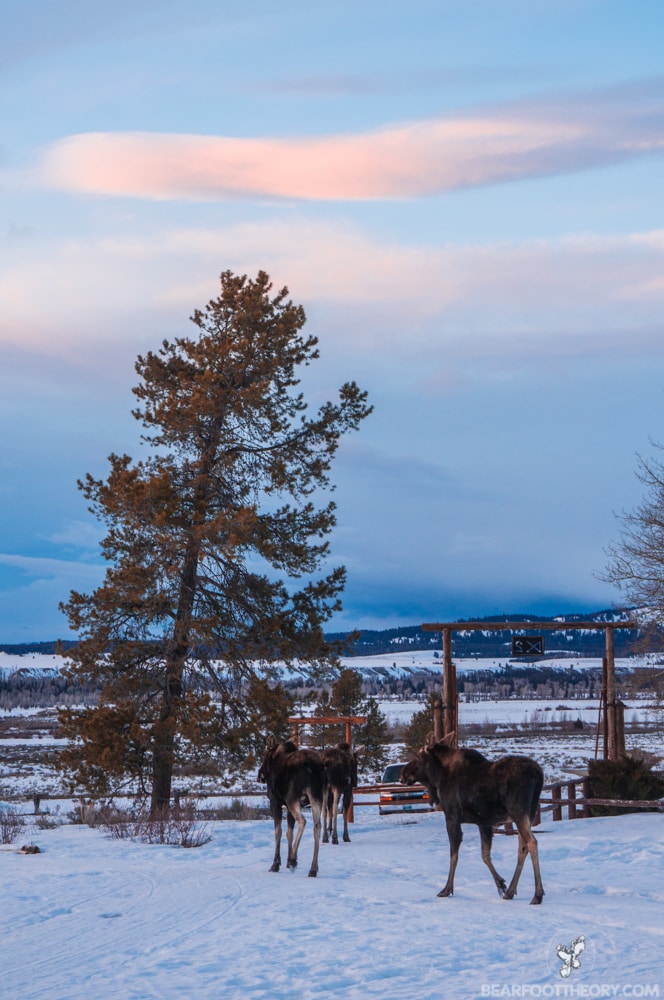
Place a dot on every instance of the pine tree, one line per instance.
(420, 728)
(346, 694)
(374, 734)
(206, 535)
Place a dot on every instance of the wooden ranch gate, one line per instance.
(347, 721)
(447, 721)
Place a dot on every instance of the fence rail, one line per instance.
(573, 795)
(581, 805)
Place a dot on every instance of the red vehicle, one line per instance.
(398, 798)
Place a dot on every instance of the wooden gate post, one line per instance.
(612, 749)
(438, 724)
(450, 705)
(620, 730)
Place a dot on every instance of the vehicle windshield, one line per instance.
(392, 772)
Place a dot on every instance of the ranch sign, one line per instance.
(527, 645)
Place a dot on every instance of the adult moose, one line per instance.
(293, 776)
(341, 771)
(468, 788)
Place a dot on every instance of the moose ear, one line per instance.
(449, 740)
(360, 749)
(430, 740)
(270, 742)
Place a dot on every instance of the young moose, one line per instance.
(341, 771)
(468, 788)
(293, 776)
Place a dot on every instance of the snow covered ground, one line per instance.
(395, 664)
(94, 917)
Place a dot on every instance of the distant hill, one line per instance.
(485, 643)
(21, 648)
(496, 642)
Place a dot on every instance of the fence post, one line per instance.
(556, 810)
(571, 795)
(586, 796)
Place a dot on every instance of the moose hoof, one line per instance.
(313, 873)
(536, 900)
(446, 892)
(275, 867)
(502, 889)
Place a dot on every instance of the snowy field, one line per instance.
(395, 664)
(94, 917)
(513, 726)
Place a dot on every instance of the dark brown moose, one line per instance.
(293, 777)
(468, 788)
(341, 772)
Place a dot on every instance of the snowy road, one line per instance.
(92, 917)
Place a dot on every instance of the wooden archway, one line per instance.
(348, 721)
(450, 708)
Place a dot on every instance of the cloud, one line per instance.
(43, 568)
(502, 304)
(78, 535)
(31, 596)
(411, 160)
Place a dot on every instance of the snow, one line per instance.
(91, 916)
(396, 664)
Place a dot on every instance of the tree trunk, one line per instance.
(166, 726)
(162, 765)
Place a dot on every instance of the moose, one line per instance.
(341, 770)
(293, 777)
(468, 788)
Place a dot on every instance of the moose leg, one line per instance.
(347, 802)
(292, 851)
(327, 799)
(527, 845)
(296, 815)
(335, 816)
(316, 810)
(455, 837)
(486, 833)
(276, 816)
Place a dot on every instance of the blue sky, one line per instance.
(467, 198)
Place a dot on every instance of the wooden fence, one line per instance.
(572, 796)
(565, 794)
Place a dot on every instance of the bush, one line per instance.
(627, 778)
(177, 826)
(237, 809)
(12, 824)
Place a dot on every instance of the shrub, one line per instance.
(12, 824)
(627, 778)
(238, 809)
(177, 826)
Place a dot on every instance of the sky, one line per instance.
(468, 201)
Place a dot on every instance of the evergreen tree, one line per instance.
(420, 727)
(226, 490)
(374, 734)
(346, 695)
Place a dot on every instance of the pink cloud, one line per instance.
(405, 161)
